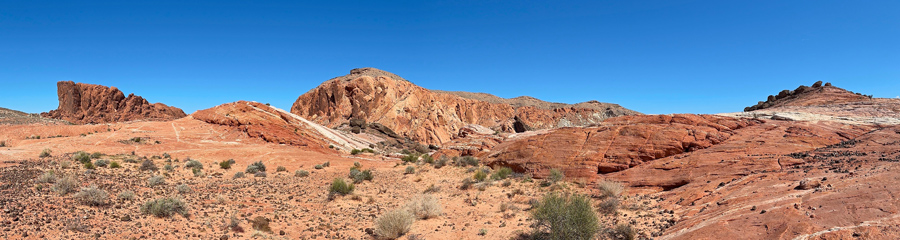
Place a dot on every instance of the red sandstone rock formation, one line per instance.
(88, 103)
(430, 117)
(615, 145)
(815, 95)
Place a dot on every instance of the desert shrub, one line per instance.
(394, 224)
(359, 176)
(427, 159)
(126, 195)
(238, 175)
(409, 170)
(46, 153)
(101, 163)
(96, 155)
(466, 184)
(441, 162)
(193, 164)
(65, 164)
(468, 161)
(357, 165)
(82, 157)
(256, 167)
(156, 181)
(47, 177)
(280, 169)
(609, 189)
(183, 188)
(480, 175)
(339, 186)
(556, 175)
(301, 173)
(225, 165)
(261, 223)
(318, 166)
(88, 165)
(566, 216)
(65, 185)
(92, 196)
(260, 174)
(326, 164)
(432, 189)
(355, 151)
(169, 167)
(164, 207)
(424, 206)
(502, 173)
(148, 165)
(114, 164)
(622, 232)
(609, 205)
(197, 172)
(2, 143)
(410, 158)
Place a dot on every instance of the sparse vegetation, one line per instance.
(301, 173)
(466, 161)
(556, 175)
(183, 188)
(82, 157)
(280, 169)
(501, 173)
(148, 165)
(566, 217)
(409, 170)
(65, 185)
(609, 189)
(226, 164)
(238, 175)
(92, 196)
(88, 165)
(101, 163)
(480, 175)
(46, 153)
(96, 155)
(364, 150)
(2, 143)
(441, 162)
(424, 206)
(193, 164)
(318, 166)
(261, 223)
(256, 167)
(164, 207)
(156, 181)
(359, 176)
(47, 177)
(126, 195)
(410, 158)
(339, 186)
(114, 164)
(326, 164)
(393, 224)
(168, 167)
(622, 232)
(260, 174)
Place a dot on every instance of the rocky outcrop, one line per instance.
(615, 145)
(83, 103)
(277, 126)
(815, 95)
(429, 117)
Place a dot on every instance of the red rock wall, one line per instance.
(83, 103)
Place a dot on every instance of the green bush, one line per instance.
(556, 175)
(148, 165)
(480, 175)
(467, 161)
(281, 169)
(82, 157)
(427, 159)
(355, 151)
(566, 216)
(238, 175)
(193, 164)
(359, 176)
(394, 224)
(319, 166)
(46, 153)
(114, 164)
(301, 173)
(101, 163)
(96, 155)
(92, 196)
(169, 167)
(164, 207)
(256, 167)
(126, 195)
(88, 165)
(339, 186)
(502, 173)
(441, 162)
(409, 170)
(225, 165)
(410, 158)
(326, 164)
(156, 181)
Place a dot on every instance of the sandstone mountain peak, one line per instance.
(435, 117)
(817, 94)
(89, 103)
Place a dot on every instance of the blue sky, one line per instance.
(650, 56)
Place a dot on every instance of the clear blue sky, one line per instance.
(651, 56)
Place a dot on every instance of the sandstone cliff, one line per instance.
(431, 117)
(817, 94)
(83, 103)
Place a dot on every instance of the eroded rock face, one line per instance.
(276, 126)
(804, 96)
(426, 116)
(615, 145)
(83, 103)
